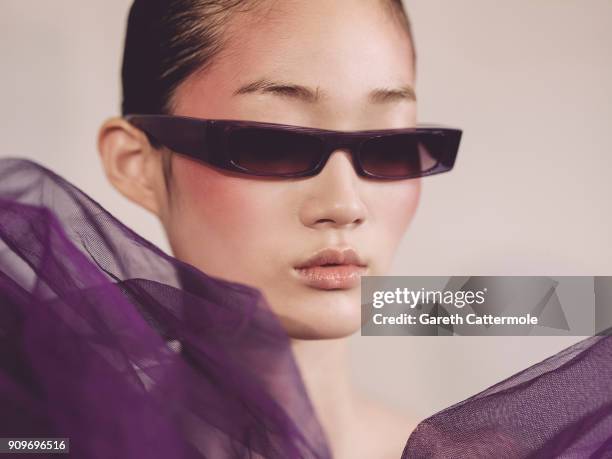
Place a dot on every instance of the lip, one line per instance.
(332, 268)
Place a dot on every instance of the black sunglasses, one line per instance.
(280, 150)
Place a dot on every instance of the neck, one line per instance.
(324, 366)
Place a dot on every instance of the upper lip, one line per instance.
(336, 256)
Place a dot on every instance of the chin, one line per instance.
(322, 321)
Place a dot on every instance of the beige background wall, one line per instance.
(529, 82)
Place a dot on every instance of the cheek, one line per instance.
(215, 214)
(211, 199)
(395, 209)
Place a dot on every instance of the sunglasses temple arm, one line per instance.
(188, 138)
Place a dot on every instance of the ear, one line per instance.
(131, 164)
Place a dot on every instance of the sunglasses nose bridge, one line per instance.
(342, 142)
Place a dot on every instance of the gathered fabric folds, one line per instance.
(131, 353)
(560, 407)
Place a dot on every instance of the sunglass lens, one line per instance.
(274, 152)
(398, 156)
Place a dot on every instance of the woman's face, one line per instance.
(255, 231)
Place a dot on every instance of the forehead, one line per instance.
(318, 37)
(341, 49)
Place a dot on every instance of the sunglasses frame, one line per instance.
(206, 140)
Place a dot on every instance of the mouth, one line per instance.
(332, 269)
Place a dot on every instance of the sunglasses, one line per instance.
(280, 150)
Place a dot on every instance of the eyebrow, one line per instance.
(310, 95)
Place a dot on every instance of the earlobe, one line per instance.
(130, 163)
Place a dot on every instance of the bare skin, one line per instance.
(357, 426)
(342, 50)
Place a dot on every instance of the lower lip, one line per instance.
(332, 277)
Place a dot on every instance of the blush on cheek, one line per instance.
(402, 206)
(391, 212)
(209, 198)
(227, 210)
(230, 227)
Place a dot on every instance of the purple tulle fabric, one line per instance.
(131, 353)
(560, 407)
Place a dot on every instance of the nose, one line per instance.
(334, 195)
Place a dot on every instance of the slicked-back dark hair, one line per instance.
(168, 40)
